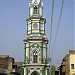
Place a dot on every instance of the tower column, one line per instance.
(35, 59)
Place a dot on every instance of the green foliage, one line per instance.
(52, 70)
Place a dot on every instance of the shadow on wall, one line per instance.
(16, 73)
(73, 74)
(2, 74)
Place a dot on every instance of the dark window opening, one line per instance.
(72, 66)
(35, 10)
(14, 66)
(35, 57)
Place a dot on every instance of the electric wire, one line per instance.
(53, 48)
(51, 25)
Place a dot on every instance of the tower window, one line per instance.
(35, 10)
(35, 57)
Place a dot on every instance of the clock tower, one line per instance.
(35, 56)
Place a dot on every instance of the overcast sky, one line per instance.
(13, 15)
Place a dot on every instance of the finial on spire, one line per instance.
(33, 1)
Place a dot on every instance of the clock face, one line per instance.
(35, 25)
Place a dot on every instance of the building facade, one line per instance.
(9, 67)
(35, 59)
(68, 64)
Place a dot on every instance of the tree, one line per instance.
(52, 70)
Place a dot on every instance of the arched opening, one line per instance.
(35, 10)
(35, 73)
(35, 57)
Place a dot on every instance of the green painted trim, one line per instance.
(22, 71)
(42, 49)
(25, 54)
(27, 27)
(29, 11)
(26, 71)
(31, 26)
(39, 27)
(43, 73)
(47, 71)
(38, 10)
(44, 28)
(41, 52)
(46, 54)
(29, 52)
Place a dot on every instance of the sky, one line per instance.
(13, 28)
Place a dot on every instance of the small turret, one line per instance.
(36, 8)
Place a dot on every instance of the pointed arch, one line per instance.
(35, 73)
(35, 56)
